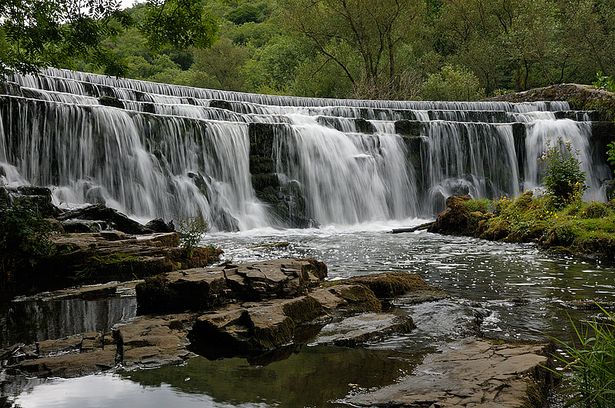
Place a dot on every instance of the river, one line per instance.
(498, 290)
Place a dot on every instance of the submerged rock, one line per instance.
(467, 373)
(356, 330)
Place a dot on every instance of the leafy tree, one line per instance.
(36, 33)
(273, 66)
(222, 63)
(374, 32)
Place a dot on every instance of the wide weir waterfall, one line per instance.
(245, 161)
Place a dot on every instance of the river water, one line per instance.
(498, 290)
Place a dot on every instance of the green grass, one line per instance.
(590, 359)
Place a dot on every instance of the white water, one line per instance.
(177, 152)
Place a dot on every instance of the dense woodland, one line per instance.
(393, 49)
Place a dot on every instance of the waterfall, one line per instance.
(545, 133)
(246, 161)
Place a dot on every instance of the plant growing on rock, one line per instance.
(563, 178)
(190, 232)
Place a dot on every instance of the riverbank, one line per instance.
(582, 229)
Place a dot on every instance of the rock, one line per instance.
(153, 341)
(278, 278)
(355, 330)
(455, 219)
(252, 329)
(68, 365)
(83, 226)
(467, 373)
(393, 284)
(348, 297)
(111, 101)
(88, 258)
(31, 197)
(202, 289)
(159, 225)
(193, 289)
(108, 215)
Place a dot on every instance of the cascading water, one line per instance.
(545, 133)
(245, 161)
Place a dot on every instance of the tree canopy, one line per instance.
(393, 49)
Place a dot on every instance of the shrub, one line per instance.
(452, 83)
(563, 179)
(24, 237)
(592, 363)
(604, 82)
(190, 232)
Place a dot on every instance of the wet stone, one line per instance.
(466, 373)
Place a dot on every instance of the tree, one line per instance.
(373, 30)
(38, 33)
(452, 84)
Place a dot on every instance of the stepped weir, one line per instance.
(245, 161)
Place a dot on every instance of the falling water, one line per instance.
(240, 160)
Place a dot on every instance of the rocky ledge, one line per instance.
(469, 373)
(265, 311)
(261, 311)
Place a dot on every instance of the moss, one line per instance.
(586, 229)
(114, 259)
(595, 210)
(479, 205)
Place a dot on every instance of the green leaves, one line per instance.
(563, 178)
(179, 23)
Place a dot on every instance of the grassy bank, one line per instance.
(581, 228)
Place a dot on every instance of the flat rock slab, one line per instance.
(206, 288)
(467, 373)
(356, 330)
(143, 342)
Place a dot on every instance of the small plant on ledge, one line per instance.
(564, 180)
(190, 232)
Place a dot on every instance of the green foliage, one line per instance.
(24, 237)
(452, 84)
(483, 205)
(604, 82)
(191, 231)
(591, 360)
(595, 210)
(180, 23)
(390, 49)
(563, 179)
(48, 32)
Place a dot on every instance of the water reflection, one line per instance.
(313, 377)
(31, 321)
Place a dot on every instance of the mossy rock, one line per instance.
(392, 284)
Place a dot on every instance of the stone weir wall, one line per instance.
(244, 161)
(286, 199)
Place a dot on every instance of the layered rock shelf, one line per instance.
(265, 311)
